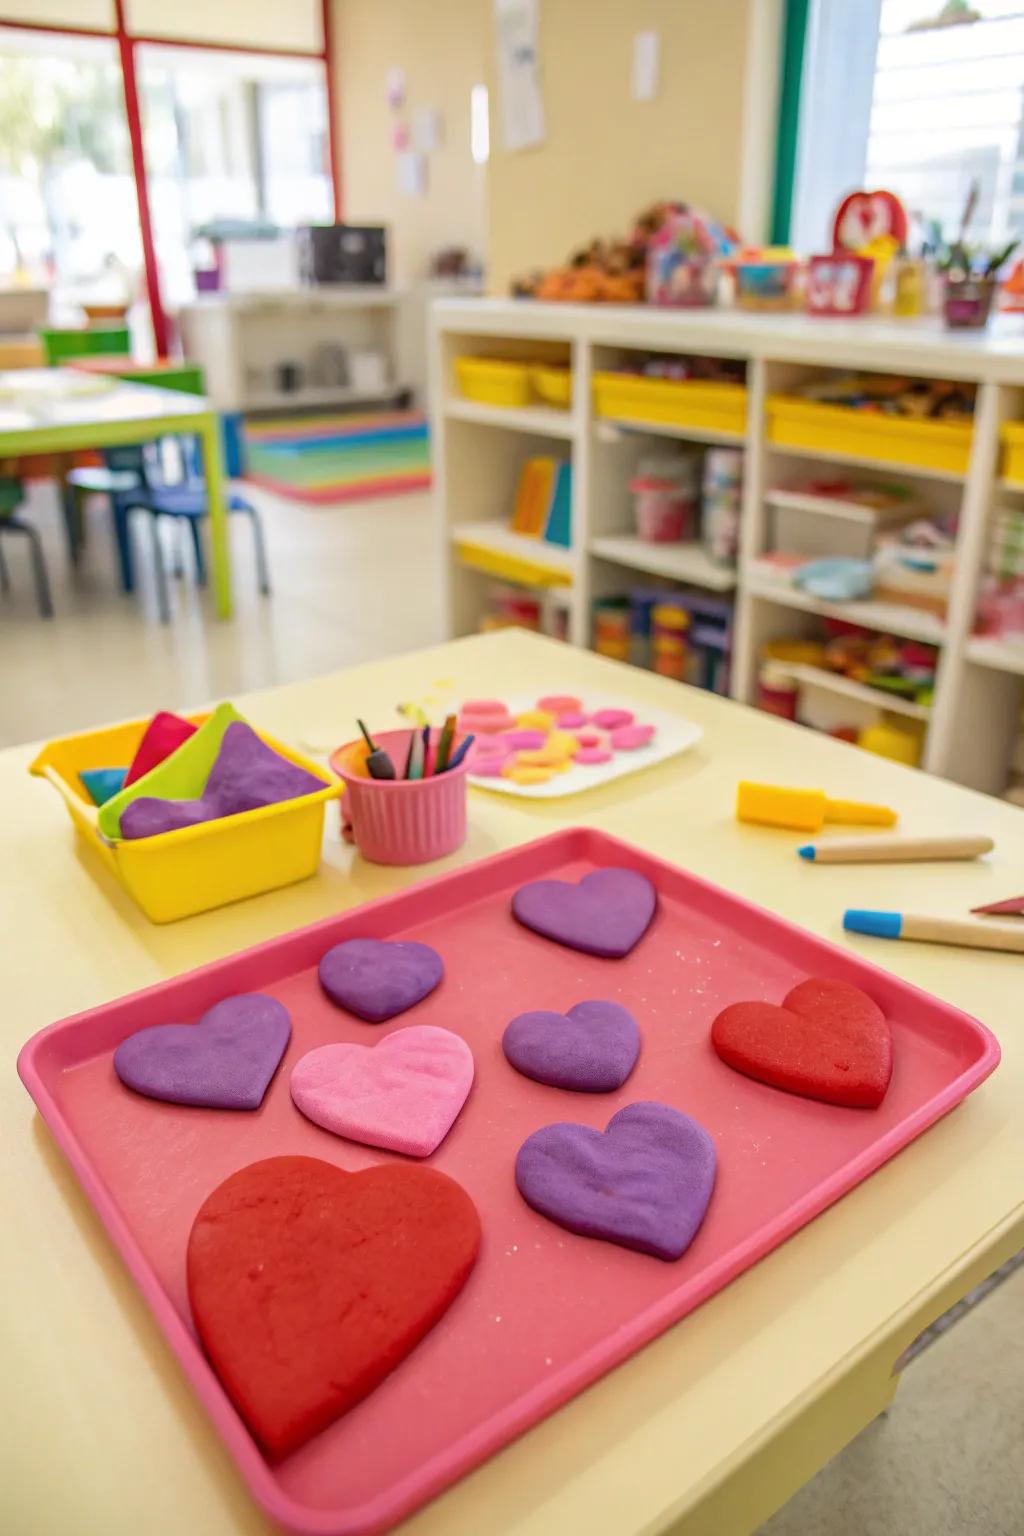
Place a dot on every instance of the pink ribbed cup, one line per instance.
(399, 821)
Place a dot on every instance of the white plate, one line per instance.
(672, 735)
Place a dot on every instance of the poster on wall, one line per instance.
(522, 110)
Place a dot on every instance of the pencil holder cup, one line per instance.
(400, 821)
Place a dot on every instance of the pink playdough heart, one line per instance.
(404, 1093)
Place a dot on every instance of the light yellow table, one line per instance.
(715, 1424)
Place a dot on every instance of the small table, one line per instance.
(60, 411)
(713, 1425)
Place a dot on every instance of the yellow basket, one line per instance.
(1013, 451)
(552, 385)
(940, 445)
(493, 381)
(672, 402)
(195, 868)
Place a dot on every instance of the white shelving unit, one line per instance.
(971, 724)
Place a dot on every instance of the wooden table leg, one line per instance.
(220, 555)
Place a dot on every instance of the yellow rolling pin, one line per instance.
(804, 810)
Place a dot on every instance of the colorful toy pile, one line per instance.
(685, 635)
(534, 745)
(890, 395)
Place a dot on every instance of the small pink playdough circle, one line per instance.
(489, 766)
(524, 740)
(592, 755)
(484, 707)
(628, 737)
(592, 737)
(612, 719)
(559, 703)
(571, 719)
(485, 725)
(487, 746)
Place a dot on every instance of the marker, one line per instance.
(445, 745)
(459, 753)
(894, 850)
(414, 762)
(378, 764)
(936, 930)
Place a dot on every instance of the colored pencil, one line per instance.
(459, 753)
(445, 746)
(936, 930)
(414, 762)
(893, 850)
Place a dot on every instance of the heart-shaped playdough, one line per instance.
(309, 1285)
(377, 978)
(225, 1061)
(403, 1093)
(645, 1182)
(593, 1047)
(828, 1041)
(607, 913)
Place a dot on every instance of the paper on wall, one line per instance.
(645, 66)
(394, 87)
(426, 129)
(412, 173)
(522, 110)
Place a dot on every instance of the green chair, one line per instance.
(12, 496)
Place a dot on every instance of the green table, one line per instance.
(60, 411)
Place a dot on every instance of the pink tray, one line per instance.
(544, 1312)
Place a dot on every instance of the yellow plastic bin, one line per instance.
(706, 407)
(196, 868)
(1013, 451)
(553, 385)
(493, 381)
(940, 445)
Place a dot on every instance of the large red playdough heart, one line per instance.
(828, 1041)
(308, 1285)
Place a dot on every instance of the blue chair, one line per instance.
(11, 499)
(123, 472)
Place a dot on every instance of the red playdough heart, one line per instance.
(308, 1285)
(828, 1041)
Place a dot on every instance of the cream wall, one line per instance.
(605, 156)
(443, 46)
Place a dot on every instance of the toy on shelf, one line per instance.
(684, 256)
(721, 504)
(839, 284)
(665, 498)
(685, 635)
(863, 217)
(767, 278)
(836, 516)
(970, 273)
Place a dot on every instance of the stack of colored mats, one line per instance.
(340, 458)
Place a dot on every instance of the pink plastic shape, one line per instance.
(474, 1384)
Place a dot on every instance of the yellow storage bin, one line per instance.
(940, 445)
(552, 384)
(196, 868)
(1013, 451)
(493, 381)
(672, 402)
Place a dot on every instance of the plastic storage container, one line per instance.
(835, 517)
(1013, 451)
(944, 446)
(669, 652)
(552, 385)
(665, 498)
(707, 407)
(196, 868)
(493, 381)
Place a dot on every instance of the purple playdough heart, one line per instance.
(593, 1047)
(377, 979)
(225, 1061)
(246, 775)
(607, 913)
(645, 1182)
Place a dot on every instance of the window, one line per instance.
(922, 97)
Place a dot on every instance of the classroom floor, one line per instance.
(106, 657)
(940, 1463)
